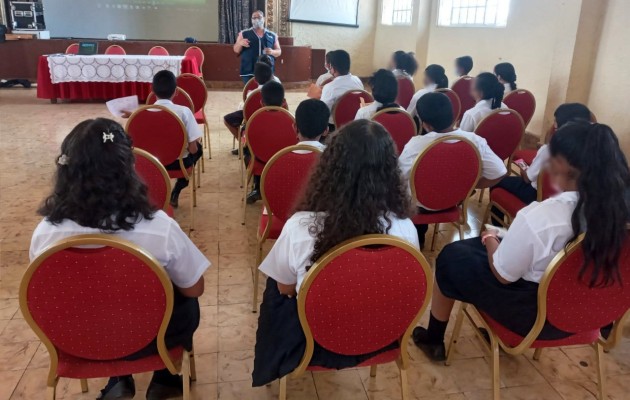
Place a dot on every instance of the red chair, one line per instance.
(345, 108)
(399, 124)
(566, 302)
(282, 183)
(73, 49)
(115, 49)
(158, 51)
(181, 98)
(197, 54)
(523, 102)
(406, 90)
(358, 313)
(462, 87)
(72, 297)
(196, 88)
(160, 132)
(250, 86)
(268, 131)
(155, 176)
(455, 102)
(448, 190)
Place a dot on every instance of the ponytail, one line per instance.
(507, 72)
(490, 88)
(603, 208)
(437, 74)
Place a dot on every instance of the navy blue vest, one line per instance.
(250, 54)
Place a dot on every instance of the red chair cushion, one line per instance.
(526, 155)
(152, 176)
(503, 131)
(506, 201)
(276, 226)
(170, 212)
(445, 216)
(199, 117)
(196, 89)
(346, 107)
(406, 90)
(161, 133)
(462, 88)
(523, 102)
(399, 125)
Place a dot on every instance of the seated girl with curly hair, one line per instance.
(356, 189)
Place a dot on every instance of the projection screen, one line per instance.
(327, 12)
(138, 19)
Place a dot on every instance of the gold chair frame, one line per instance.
(203, 58)
(206, 126)
(115, 46)
(241, 131)
(157, 47)
(522, 92)
(153, 160)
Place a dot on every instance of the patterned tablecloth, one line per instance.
(110, 68)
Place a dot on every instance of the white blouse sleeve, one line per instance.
(518, 251)
(468, 123)
(186, 263)
(280, 263)
(537, 164)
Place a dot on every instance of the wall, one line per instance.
(359, 42)
(611, 83)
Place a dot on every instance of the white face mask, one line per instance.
(258, 23)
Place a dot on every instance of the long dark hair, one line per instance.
(507, 72)
(490, 88)
(405, 61)
(355, 185)
(96, 184)
(603, 182)
(437, 74)
(384, 88)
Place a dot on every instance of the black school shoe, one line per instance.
(122, 387)
(165, 386)
(253, 197)
(435, 351)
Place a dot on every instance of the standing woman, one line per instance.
(356, 189)
(434, 78)
(488, 93)
(507, 76)
(254, 42)
(501, 277)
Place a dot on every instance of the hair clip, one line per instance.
(108, 136)
(63, 159)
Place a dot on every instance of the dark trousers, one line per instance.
(519, 188)
(423, 228)
(189, 161)
(234, 119)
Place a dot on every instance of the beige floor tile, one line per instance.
(235, 365)
(339, 385)
(541, 391)
(8, 382)
(554, 365)
(16, 355)
(236, 294)
(233, 338)
(616, 362)
(237, 315)
(206, 340)
(17, 330)
(235, 276)
(517, 371)
(245, 261)
(206, 368)
(8, 307)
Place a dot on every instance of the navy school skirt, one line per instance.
(463, 273)
(280, 341)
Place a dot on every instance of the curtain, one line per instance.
(234, 16)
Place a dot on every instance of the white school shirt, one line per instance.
(187, 117)
(492, 167)
(161, 237)
(537, 234)
(368, 111)
(473, 117)
(399, 73)
(323, 78)
(337, 88)
(542, 156)
(414, 100)
(508, 89)
(291, 253)
(314, 143)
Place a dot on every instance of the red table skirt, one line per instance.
(95, 90)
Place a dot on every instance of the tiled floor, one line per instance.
(31, 131)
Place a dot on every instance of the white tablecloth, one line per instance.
(110, 68)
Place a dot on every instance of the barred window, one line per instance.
(397, 12)
(480, 13)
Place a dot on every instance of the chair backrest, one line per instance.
(73, 293)
(462, 87)
(455, 103)
(503, 129)
(115, 50)
(196, 89)
(570, 304)
(268, 131)
(445, 173)
(181, 98)
(252, 104)
(406, 90)
(346, 107)
(545, 188)
(196, 53)
(523, 102)
(284, 178)
(381, 286)
(249, 86)
(158, 51)
(73, 49)
(399, 124)
(159, 131)
(155, 176)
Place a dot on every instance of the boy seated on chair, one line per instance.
(311, 123)
(272, 94)
(436, 113)
(343, 80)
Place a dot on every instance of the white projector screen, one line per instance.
(138, 19)
(327, 12)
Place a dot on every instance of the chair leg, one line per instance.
(486, 215)
(601, 378)
(51, 392)
(404, 384)
(245, 188)
(461, 231)
(192, 206)
(373, 370)
(496, 383)
(84, 386)
(256, 274)
(207, 130)
(186, 375)
(455, 335)
(233, 143)
(435, 232)
(537, 353)
(481, 195)
(199, 171)
(193, 367)
(283, 388)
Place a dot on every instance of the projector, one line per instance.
(116, 36)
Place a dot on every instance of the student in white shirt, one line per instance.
(434, 78)
(326, 77)
(384, 90)
(501, 277)
(311, 123)
(97, 191)
(436, 113)
(488, 93)
(403, 64)
(356, 189)
(463, 66)
(525, 187)
(507, 76)
(344, 81)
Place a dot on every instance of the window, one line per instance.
(397, 12)
(480, 13)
